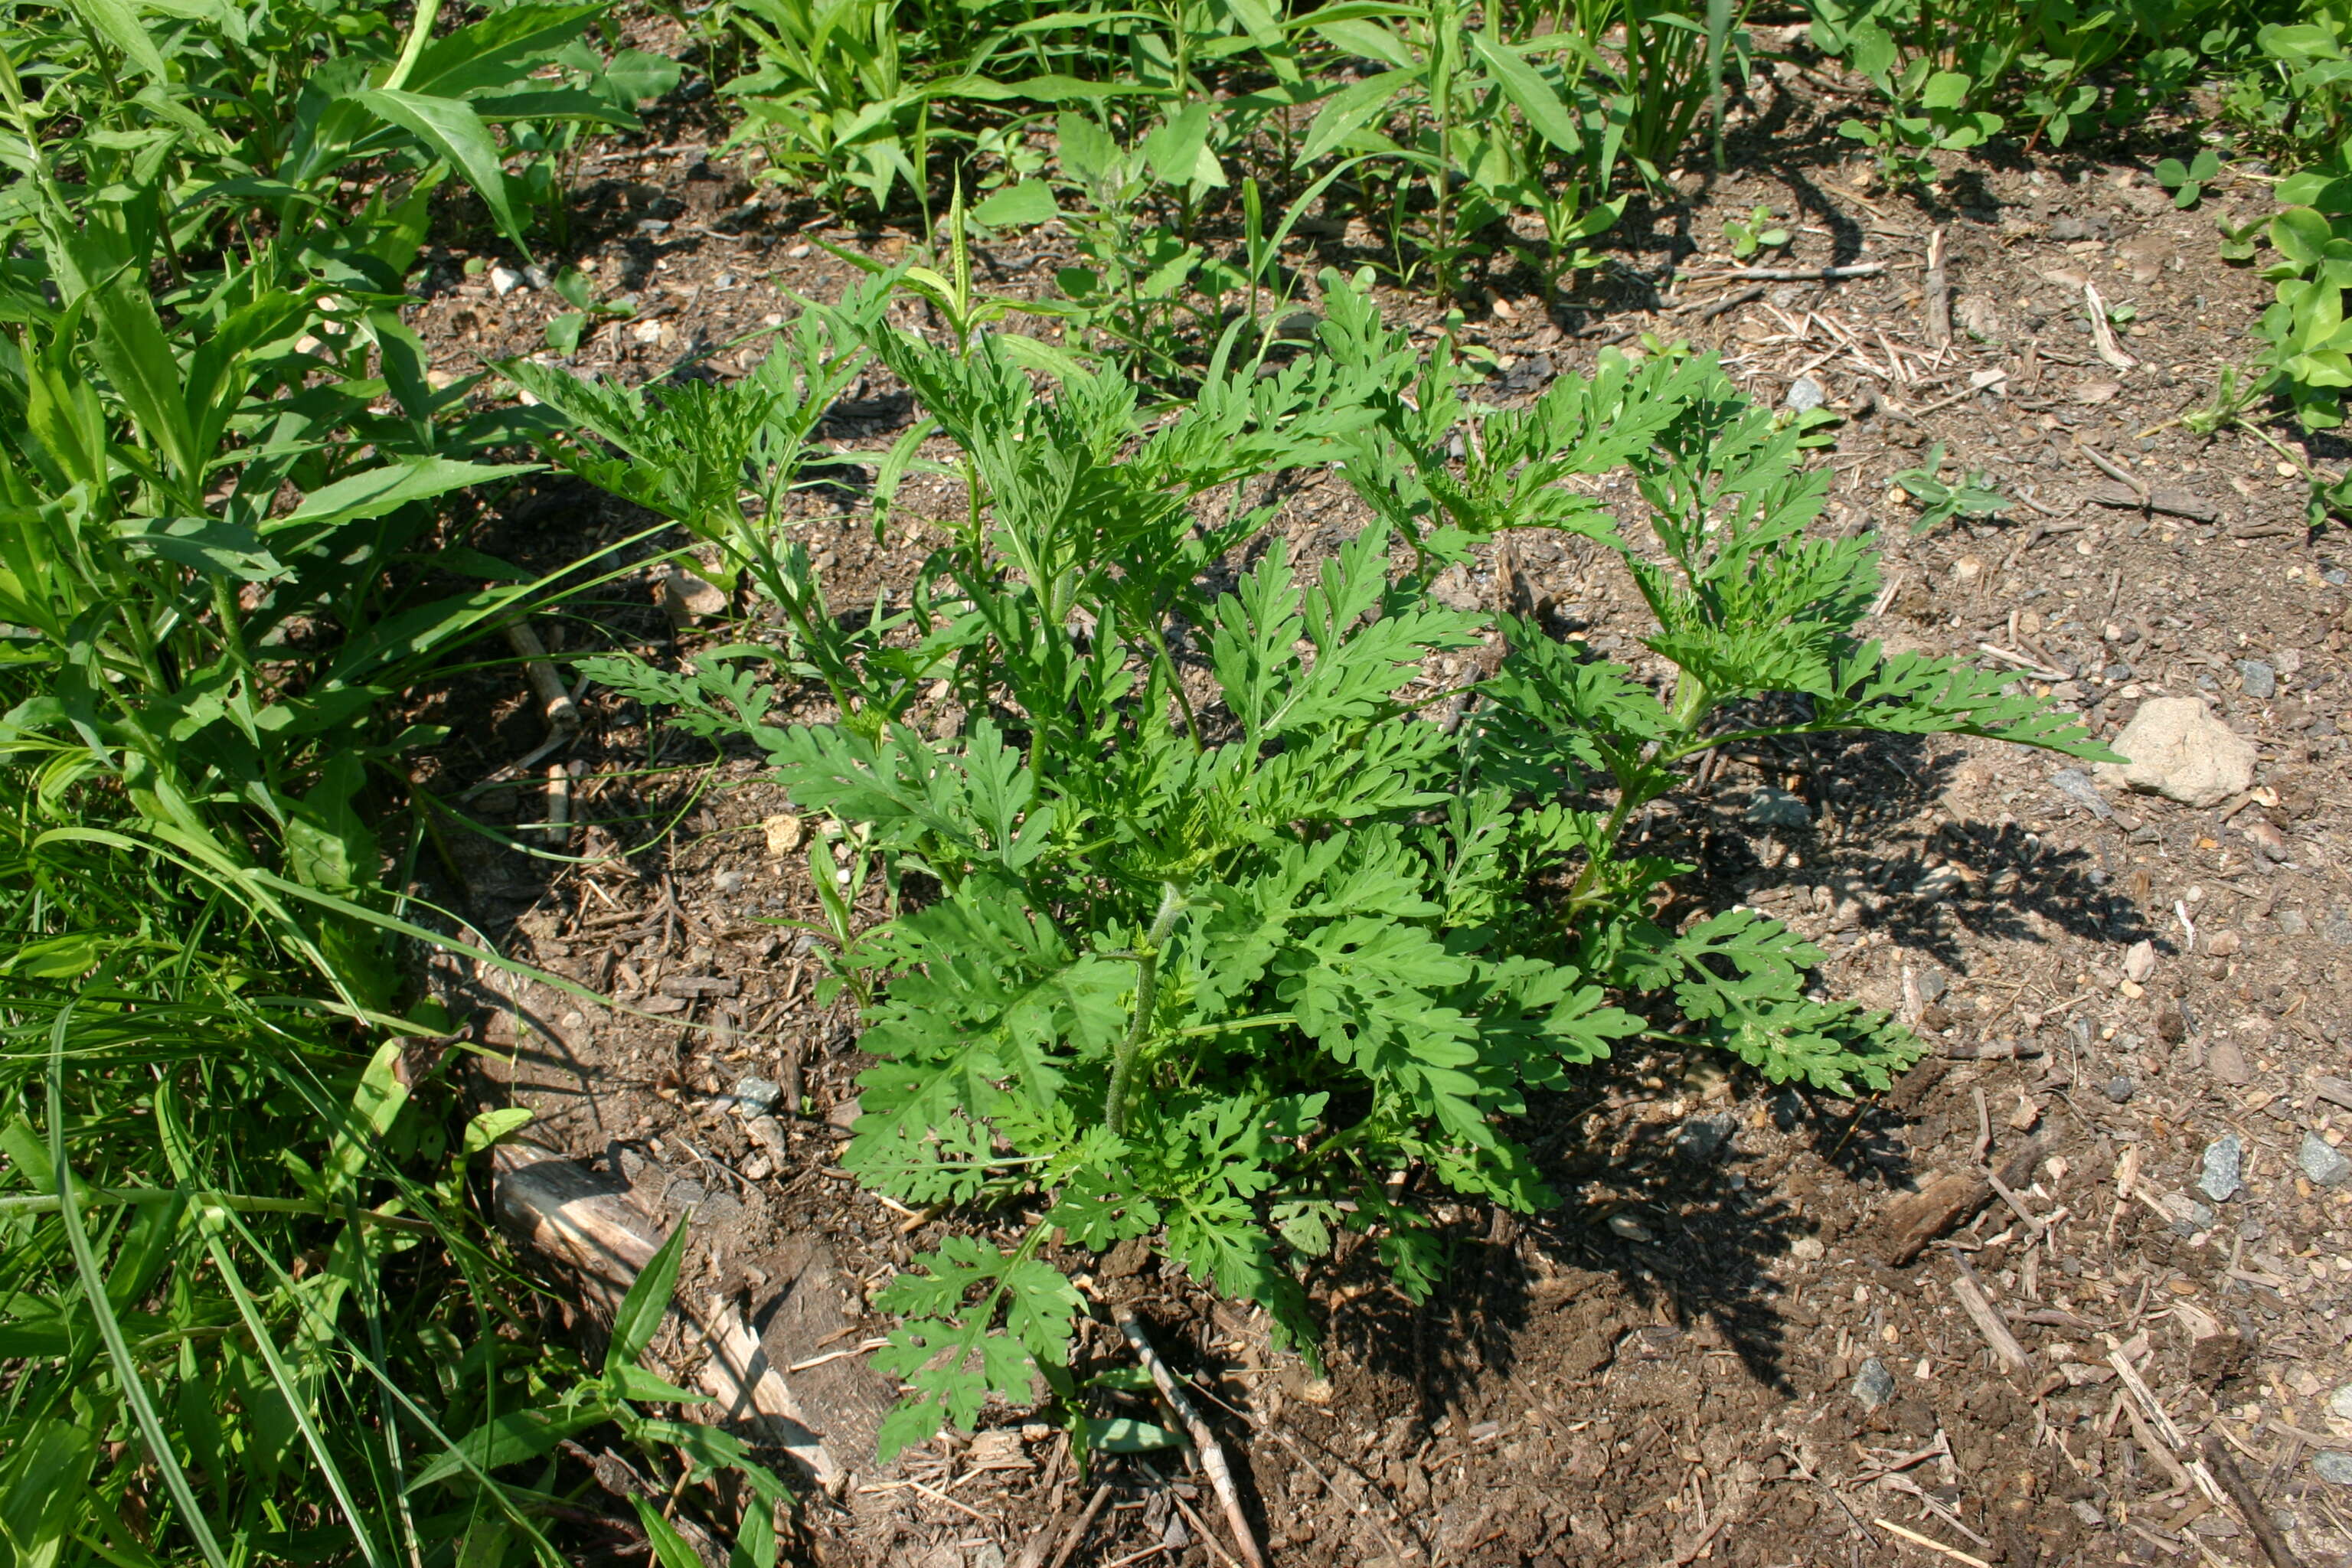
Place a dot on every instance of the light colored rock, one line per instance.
(2139, 962)
(688, 598)
(505, 280)
(2227, 1061)
(2179, 751)
(783, 834)
(1770, 807)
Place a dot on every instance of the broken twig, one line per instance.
(1204, 1440)
(2266, 1529)
(1938, 293)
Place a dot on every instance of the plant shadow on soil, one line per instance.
(1686, 1223)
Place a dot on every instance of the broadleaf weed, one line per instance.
(1223, 931)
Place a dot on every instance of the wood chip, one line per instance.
(1979, 1308)
(2172, 503)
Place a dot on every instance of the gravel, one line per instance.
(2224, 1159)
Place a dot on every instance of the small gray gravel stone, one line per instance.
(2323, 1164)
(757, 1092)
(1770, 807)
(2339, 1403)
(2119, 1090)
(2333, 1465)
(1873, 1385)
(2224, 1158)
(2336, 926)
(2076, 783)
(1806, 393)
(2262, 681)
(1705, 1137)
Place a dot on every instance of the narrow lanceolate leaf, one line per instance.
(454, 133)
(1529, 93)
(118, 24)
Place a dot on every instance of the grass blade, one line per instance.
(93, 1285)
(280, 1375)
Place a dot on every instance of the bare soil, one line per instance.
(1671, 1366)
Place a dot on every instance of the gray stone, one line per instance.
(2339, 1403)
(1705, 1137)
(1770, 807)
(2119, 1090)
(1873, 1385)
(2260, 681)
(2336, 926)
(2333, 1465)
(2076, 785)
(2322, 1163)
(757, 1093)
(2224, 1158)
(2291, 922)
(1932, 986)
(1806, 393)
(2179, 750)
(2188, 1216)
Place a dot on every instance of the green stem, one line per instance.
(420, 33)
(1147, 996)
(1234, 1026)
(50, 1202)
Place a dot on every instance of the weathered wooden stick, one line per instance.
(1204, 1440)
(558, 1209)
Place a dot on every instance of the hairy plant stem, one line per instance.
(1147, 992)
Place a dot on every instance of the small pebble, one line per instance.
(1809, 1249)
(2119, 1090)
(1805, 392)
(505, 280)
(1705, 1137)
(2326, 1165)
(1873, 1385)
(2339, 1403)
(759, 1093)
(2260, 681)
(2139, 963)
(1932, 984)
(2333, 1465)
(729, 879)
(1770, 807)
(1628, 1227)
(2226, 1061)
(2223, 1158)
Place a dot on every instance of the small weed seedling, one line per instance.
(1753, 233)
(2187, 181)
(1212, 933)
(1939, 502)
